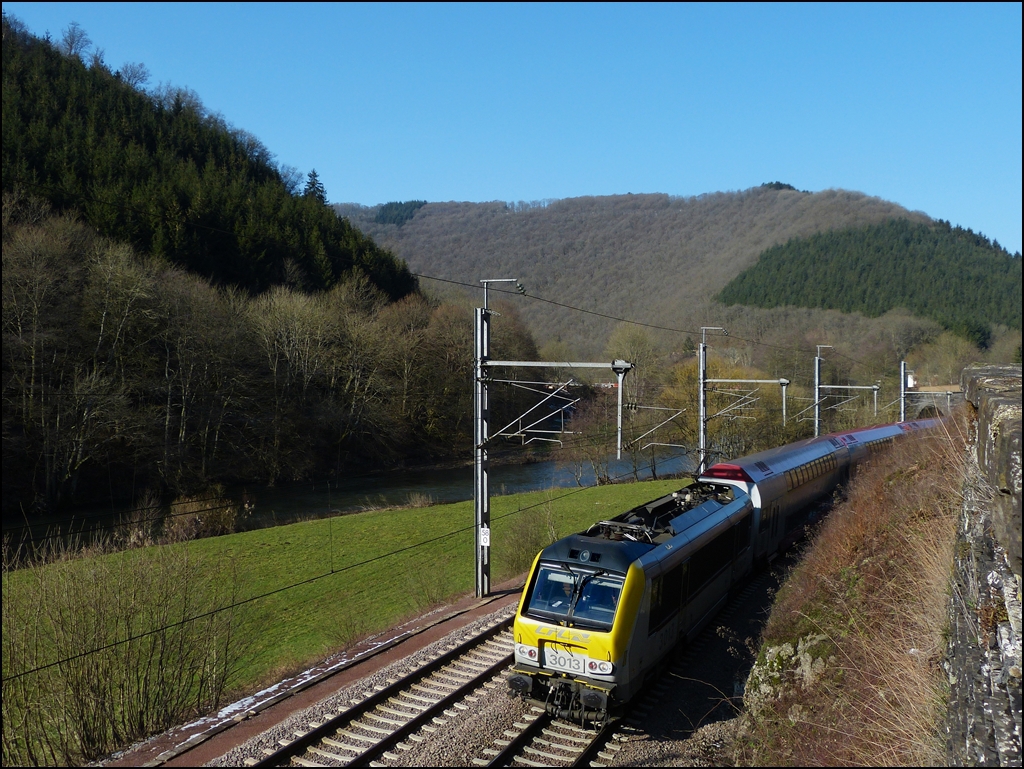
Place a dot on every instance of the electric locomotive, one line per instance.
(603, 607)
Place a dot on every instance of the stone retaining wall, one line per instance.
(984, 653)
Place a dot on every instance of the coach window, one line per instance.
(709, 561)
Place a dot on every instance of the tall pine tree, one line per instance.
(315, 188)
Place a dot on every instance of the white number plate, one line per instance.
(558, 659)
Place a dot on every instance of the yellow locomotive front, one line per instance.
(573, 626)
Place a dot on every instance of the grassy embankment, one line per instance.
(300, 624)
(301, 591)
(849, 668)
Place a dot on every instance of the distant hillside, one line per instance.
(950, 275)
(652, 258)
(159, 172)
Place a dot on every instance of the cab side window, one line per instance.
(666, 596)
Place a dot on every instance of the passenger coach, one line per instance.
(602, 608)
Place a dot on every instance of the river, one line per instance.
(274, 505)
(287, 503)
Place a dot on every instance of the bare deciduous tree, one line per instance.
(135, 74)
(74, 41)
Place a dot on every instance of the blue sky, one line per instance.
(919, 104)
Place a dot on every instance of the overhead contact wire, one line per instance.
(276, 591)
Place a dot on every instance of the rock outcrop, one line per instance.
(983, 659)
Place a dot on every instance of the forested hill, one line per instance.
(652, 258)
(159, 172)
(951, 275)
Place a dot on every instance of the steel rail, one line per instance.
(517, 745)
(297, 746)
(526, 738)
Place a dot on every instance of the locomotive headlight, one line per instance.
(530, 652)
(596, 666)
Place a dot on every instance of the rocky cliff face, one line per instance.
(983, 659)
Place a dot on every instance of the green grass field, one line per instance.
(374, 582)
(101, 650)
(310, 588)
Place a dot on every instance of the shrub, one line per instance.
(192, 517)
(96, 655)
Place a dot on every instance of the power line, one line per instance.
(631, 321)
(558, 304)
(197, 225)
(276, 591)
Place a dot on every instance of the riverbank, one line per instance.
(161, 633)
(249, 507)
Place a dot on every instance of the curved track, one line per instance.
(540, 740)
(443, 703)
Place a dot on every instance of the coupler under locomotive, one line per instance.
(565, 698)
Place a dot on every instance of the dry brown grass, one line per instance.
(194, 517)
(875, 582)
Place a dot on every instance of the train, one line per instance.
(601, 609)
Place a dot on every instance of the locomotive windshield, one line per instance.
(579, 599)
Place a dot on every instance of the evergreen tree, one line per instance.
(157, 171)
(397, 212)
(315, 188)
(949, 274)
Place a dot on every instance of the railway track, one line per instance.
(367, 732)
(545, 741)
(537, 739)
(442, 702)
